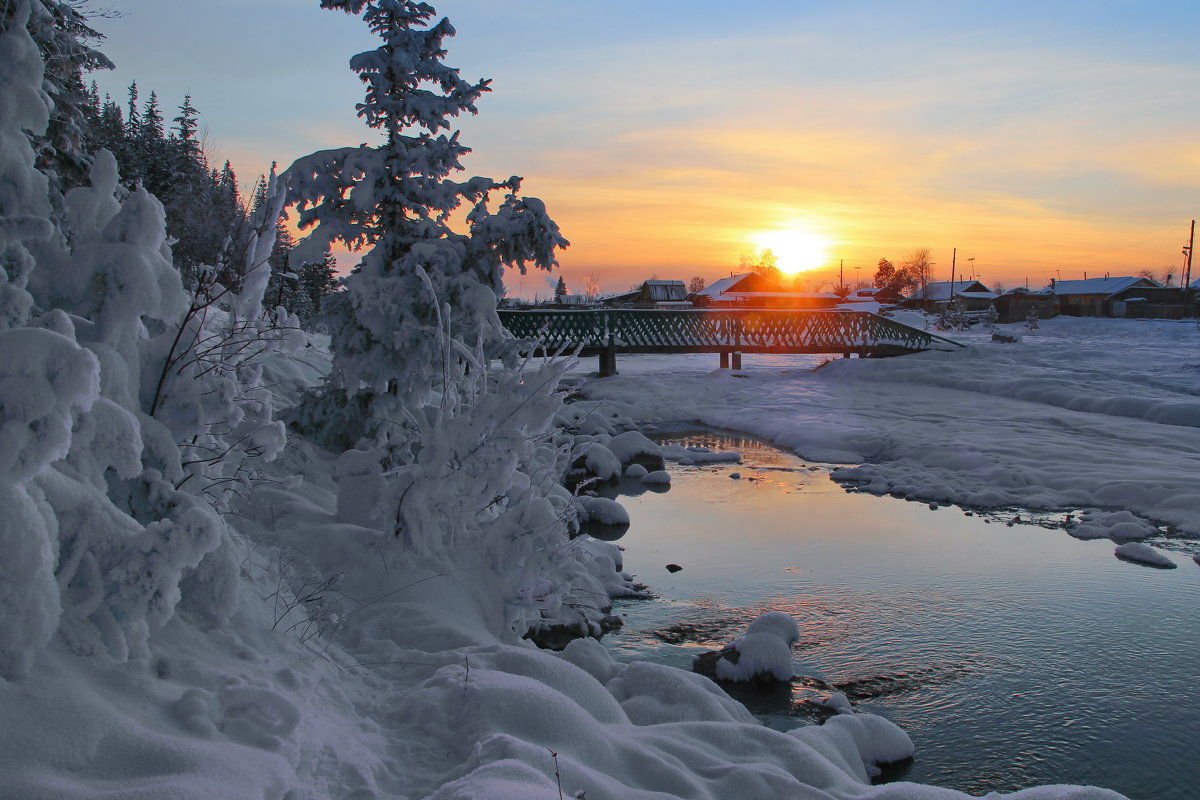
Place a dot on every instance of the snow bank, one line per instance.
(1096, 524)
(1084, 413)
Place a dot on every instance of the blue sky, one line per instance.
(665, 136)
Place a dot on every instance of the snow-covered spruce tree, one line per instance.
(102, 534)
(460, 464)
(395, 199)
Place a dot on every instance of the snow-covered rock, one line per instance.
(657, 478)
(1096, 524)
(633, 446)
(1143, 554)
(595, 460)
(602, 511)
(762, 653)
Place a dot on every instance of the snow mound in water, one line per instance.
(603, 511)
(634, 446)
(1112, 525)
(776, 623)
(763, 652)
(1143, 554)
(659, 477)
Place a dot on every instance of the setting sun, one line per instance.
(795, 250)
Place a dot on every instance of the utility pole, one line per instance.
(1187, 270)
(953, 264)
(841, 273)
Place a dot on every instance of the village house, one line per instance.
(1092, 297)
(751, 290)
(972, 294)
(653, 293)
(1015, 305)
(1152, 302)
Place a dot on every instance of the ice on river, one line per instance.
(1081, 413)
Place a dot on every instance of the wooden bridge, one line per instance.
(729, 332)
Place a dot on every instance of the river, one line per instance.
(1013, 654)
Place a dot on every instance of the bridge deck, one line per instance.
(606, 332)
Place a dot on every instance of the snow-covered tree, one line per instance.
(458, 462)
(419, 277)
(123, 410)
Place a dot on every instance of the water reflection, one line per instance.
(1014, 655)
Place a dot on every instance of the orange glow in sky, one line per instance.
(1065, 146)
(795, 250)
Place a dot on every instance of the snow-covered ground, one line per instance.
(351, 668)
(1079, 414)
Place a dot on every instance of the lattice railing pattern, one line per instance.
(811, 331)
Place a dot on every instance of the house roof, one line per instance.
(807, 295)
(715, 288)
(1104, 286)
(940, 290)
(723, 286)
(661, 290)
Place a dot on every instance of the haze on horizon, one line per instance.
(672, 138)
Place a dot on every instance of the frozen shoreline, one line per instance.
(1082, 413)
(418, 691)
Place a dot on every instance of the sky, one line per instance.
(672, 138)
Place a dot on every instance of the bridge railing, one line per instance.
(718, 329)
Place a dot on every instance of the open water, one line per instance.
(1013, 654)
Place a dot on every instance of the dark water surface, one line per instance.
(1014, 655)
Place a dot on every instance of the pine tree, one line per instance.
(63, 37)
(560, 289)
(420, 278)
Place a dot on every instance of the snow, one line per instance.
(1083, 413)
(1143, 554)
(633, 445)
(836, 702)
(763, 652)
(1103, 286)
(603, 511)
(293, 621)
(659, 477)
(1122, 525)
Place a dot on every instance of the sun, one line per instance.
(795, 250)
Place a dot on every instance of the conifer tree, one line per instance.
(420, 277)
(63, 38)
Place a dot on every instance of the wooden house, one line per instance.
(653, 293)
(972, 294)
(751, 290)
(1092, 297)
(1151, 302)
(1015, 306)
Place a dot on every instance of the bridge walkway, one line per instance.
(728, 332)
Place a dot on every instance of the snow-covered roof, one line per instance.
(806, 295)
(716, 288)
(1104, 286)
(940, 290)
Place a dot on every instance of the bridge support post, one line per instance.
(737, 360)
(608, 362)
(724, 360)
